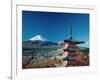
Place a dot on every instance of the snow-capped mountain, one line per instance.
(37, 38)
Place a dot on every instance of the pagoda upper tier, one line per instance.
(73, 41)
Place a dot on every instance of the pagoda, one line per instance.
(72, 51)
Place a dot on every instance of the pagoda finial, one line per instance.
(70, 30)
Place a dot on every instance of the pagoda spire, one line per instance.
(70, 30)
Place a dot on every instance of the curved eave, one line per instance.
(74, 41)
(73, 49)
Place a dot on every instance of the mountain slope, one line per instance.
(38, 40)
(37, 37)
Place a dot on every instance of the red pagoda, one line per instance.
(72, 51)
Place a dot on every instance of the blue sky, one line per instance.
(54, 26)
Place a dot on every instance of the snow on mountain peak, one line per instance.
(37, 37)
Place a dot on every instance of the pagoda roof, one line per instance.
(69, 58)
(74, 49)
(71, 40)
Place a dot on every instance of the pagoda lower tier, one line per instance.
(74, 56)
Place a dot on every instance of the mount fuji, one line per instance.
(38, 40)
